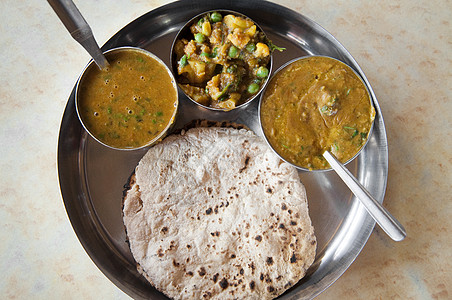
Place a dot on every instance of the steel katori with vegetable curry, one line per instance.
(316, 104)
(224, 61)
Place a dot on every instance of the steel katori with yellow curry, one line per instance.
(316, 104)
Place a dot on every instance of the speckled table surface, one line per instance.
(404, 48)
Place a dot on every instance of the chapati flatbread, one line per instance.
(213, 213)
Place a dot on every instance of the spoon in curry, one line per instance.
(79, 29)
(386, 221)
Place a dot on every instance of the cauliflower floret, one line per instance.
(213, 87)
(190, 48)
(261, 50)
(216, 34)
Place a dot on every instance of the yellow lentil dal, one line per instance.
(129, 104)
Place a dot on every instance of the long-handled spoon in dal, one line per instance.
(79, 29)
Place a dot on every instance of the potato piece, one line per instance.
(250, 31)
(238, 38)
(210, 70)
(205, 48)
(229, 21)
(222, 53)
(242, 23)
(235, 97)
(199, 67)
(206, 28)
(194, 71)
(187, 71)
(237, 22)
(227, 105)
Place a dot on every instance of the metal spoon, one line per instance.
(386, 221)
(79, 29)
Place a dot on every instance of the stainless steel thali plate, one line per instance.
(92, 176)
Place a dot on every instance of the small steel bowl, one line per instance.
(92, 64)
(184, 32)
(262, 99)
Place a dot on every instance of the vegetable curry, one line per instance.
(129, 104)
(223, 61)
(316, 104)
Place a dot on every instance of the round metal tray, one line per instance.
(92, 176)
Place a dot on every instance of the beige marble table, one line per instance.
(404, 48)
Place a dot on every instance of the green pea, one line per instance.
(216, 17)
(183, 61)
(233, 52)
(199, 37)
(251, 47)
(253, 88)
(262, 72)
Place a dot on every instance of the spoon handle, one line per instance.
(79, 29)
(386, 221)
